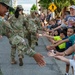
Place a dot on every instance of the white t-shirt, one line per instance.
(72, 63)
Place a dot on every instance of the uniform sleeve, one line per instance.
(4, 25)
(38, 22)
(25, 22)
(30, 52)
(7, 24)
(30, 25)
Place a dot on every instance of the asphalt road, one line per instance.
(53, 66)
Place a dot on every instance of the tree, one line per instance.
(44, 3)
(59, 3)
(34, 7)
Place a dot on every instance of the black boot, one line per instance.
(20, 60)
(36, 43)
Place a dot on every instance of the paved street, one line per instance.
(53, 67)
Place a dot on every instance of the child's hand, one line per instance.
(51, 53)
(50, 47)
(44, 34)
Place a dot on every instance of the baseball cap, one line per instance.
(73, 7)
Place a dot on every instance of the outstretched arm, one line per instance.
(70, 50)
(60, 42)
(62, 58)
(51, 37)
(56, 28)
(67, 52)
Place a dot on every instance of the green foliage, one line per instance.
(11, 10)
(59, 3)
(45, 3)
(34, 7)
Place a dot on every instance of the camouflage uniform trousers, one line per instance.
(21, 50)
(22, 47)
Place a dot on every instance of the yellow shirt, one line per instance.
(61, 46)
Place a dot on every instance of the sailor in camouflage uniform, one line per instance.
(15, 31)
(32, 28)
(2, 12)
(34, 24)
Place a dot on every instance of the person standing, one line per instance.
(34, 25)
(17, 39)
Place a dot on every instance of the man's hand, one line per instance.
(39, 59)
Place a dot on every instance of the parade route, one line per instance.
(53, 66)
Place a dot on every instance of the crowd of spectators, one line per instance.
(60, 31)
